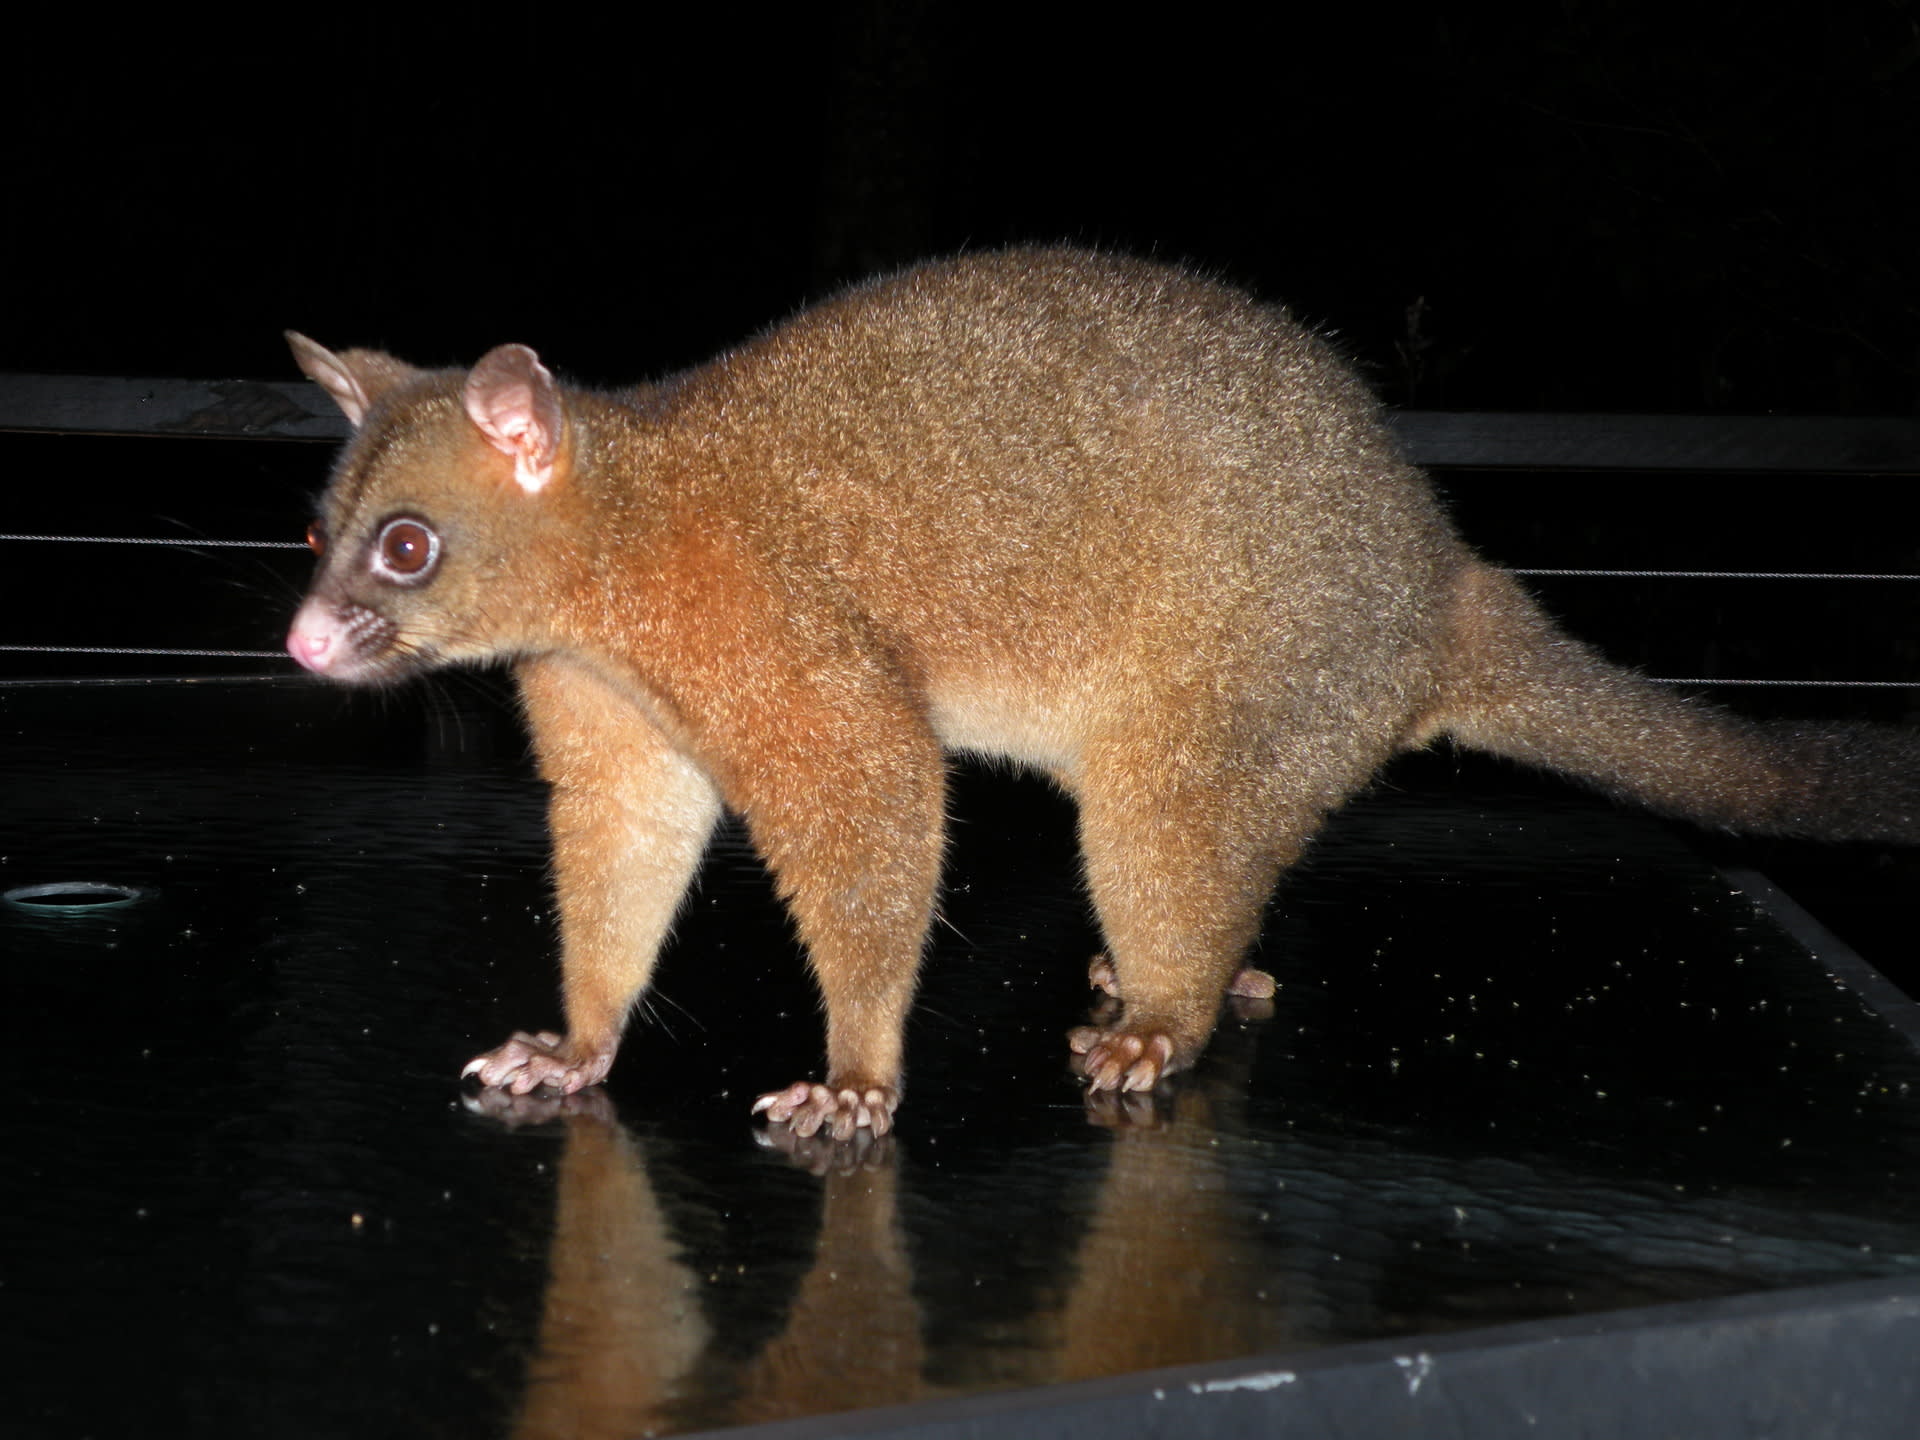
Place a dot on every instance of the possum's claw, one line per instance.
(1119, 1059)
(809, 1109)
(527, 1062)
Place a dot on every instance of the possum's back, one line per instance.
(1055, 402)
(1050, 466)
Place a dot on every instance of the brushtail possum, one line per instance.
(1099, 517)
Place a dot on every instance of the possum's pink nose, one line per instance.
(309, 647)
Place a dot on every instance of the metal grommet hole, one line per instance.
(73, 897)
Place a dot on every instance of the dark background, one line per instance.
(1571, 206)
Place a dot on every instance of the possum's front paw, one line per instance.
(526, 1062)
(1120, 1059)
(808, 1109)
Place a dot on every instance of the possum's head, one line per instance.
(427, 535)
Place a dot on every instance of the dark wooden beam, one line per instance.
(1802, 444)
(107, 405)
(1488, 440)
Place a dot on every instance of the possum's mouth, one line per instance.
(352, 643)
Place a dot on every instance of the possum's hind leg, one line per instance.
(1183, 837)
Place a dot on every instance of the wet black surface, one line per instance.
(1530, 1058)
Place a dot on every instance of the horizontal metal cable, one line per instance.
(129, 650)
(1804, 684)
(1714, 574)
(1551, 573)
(1512, 570)
(149, 540)
(282, 655)
(28, 682)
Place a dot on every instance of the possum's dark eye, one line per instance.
(406, 551)
(316, 538)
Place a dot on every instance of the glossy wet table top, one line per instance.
(1530, 1058)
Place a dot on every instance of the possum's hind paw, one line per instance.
(527, 1062)
(1119, 1059)
(1247, 983)
(1251, 984)
(808, 1109)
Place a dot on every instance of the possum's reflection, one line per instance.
(626, 1346)
(623, 1321)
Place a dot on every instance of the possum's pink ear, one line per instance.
(355, 380)
(512, 398)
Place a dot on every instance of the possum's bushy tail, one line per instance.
(1515, 685)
